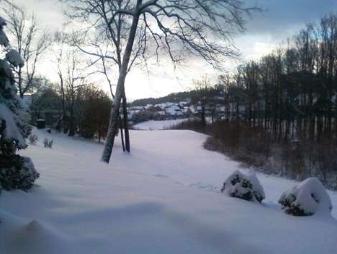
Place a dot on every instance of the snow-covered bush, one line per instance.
(306, 198)
(243, 186)
(17, 172)
(33, 139)
(48, 143)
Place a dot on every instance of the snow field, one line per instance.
(164, 197)
(157, 125)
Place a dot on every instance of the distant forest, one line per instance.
(173, 97)
(281, 111)
(292, 91)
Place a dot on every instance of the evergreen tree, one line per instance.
(16, 172)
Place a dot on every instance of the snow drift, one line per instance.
(162, 198)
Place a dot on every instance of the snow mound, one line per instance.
(243, 186)
(15, 58)
(29, 238)
(307, 198)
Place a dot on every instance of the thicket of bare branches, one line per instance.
(30, 41)
(73, 76)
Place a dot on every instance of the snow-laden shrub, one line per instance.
(48, 143)
(14, 58)
(11, 132)
(306, 198)
(17, 172)
(244, 186)
(33, 139)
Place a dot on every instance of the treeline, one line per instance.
(173, 97)
(280, 113)
(291, 92)
(83, 111)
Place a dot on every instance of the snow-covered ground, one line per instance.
(157, 125)
(162, 198)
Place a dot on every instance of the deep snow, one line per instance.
(158, 125)
(162, 198)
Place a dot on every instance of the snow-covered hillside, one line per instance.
(158, 125)
(162, 198)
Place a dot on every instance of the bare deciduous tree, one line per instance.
(137, 27)
(72, 76)
(60, 39)
(73, 80)
(30, 42)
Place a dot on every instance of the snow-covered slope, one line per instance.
(157, 125)
(162, 198)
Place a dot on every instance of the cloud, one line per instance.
(265, 31)
(49, 13)
(281, 17)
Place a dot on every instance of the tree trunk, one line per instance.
(113, 123)
(20, 82)
(126, 124)
(203, 117)
(63, 104)
(72, 122)
(122, 133)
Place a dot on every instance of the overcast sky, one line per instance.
(279, 20)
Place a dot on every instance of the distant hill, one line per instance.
(173, 97)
